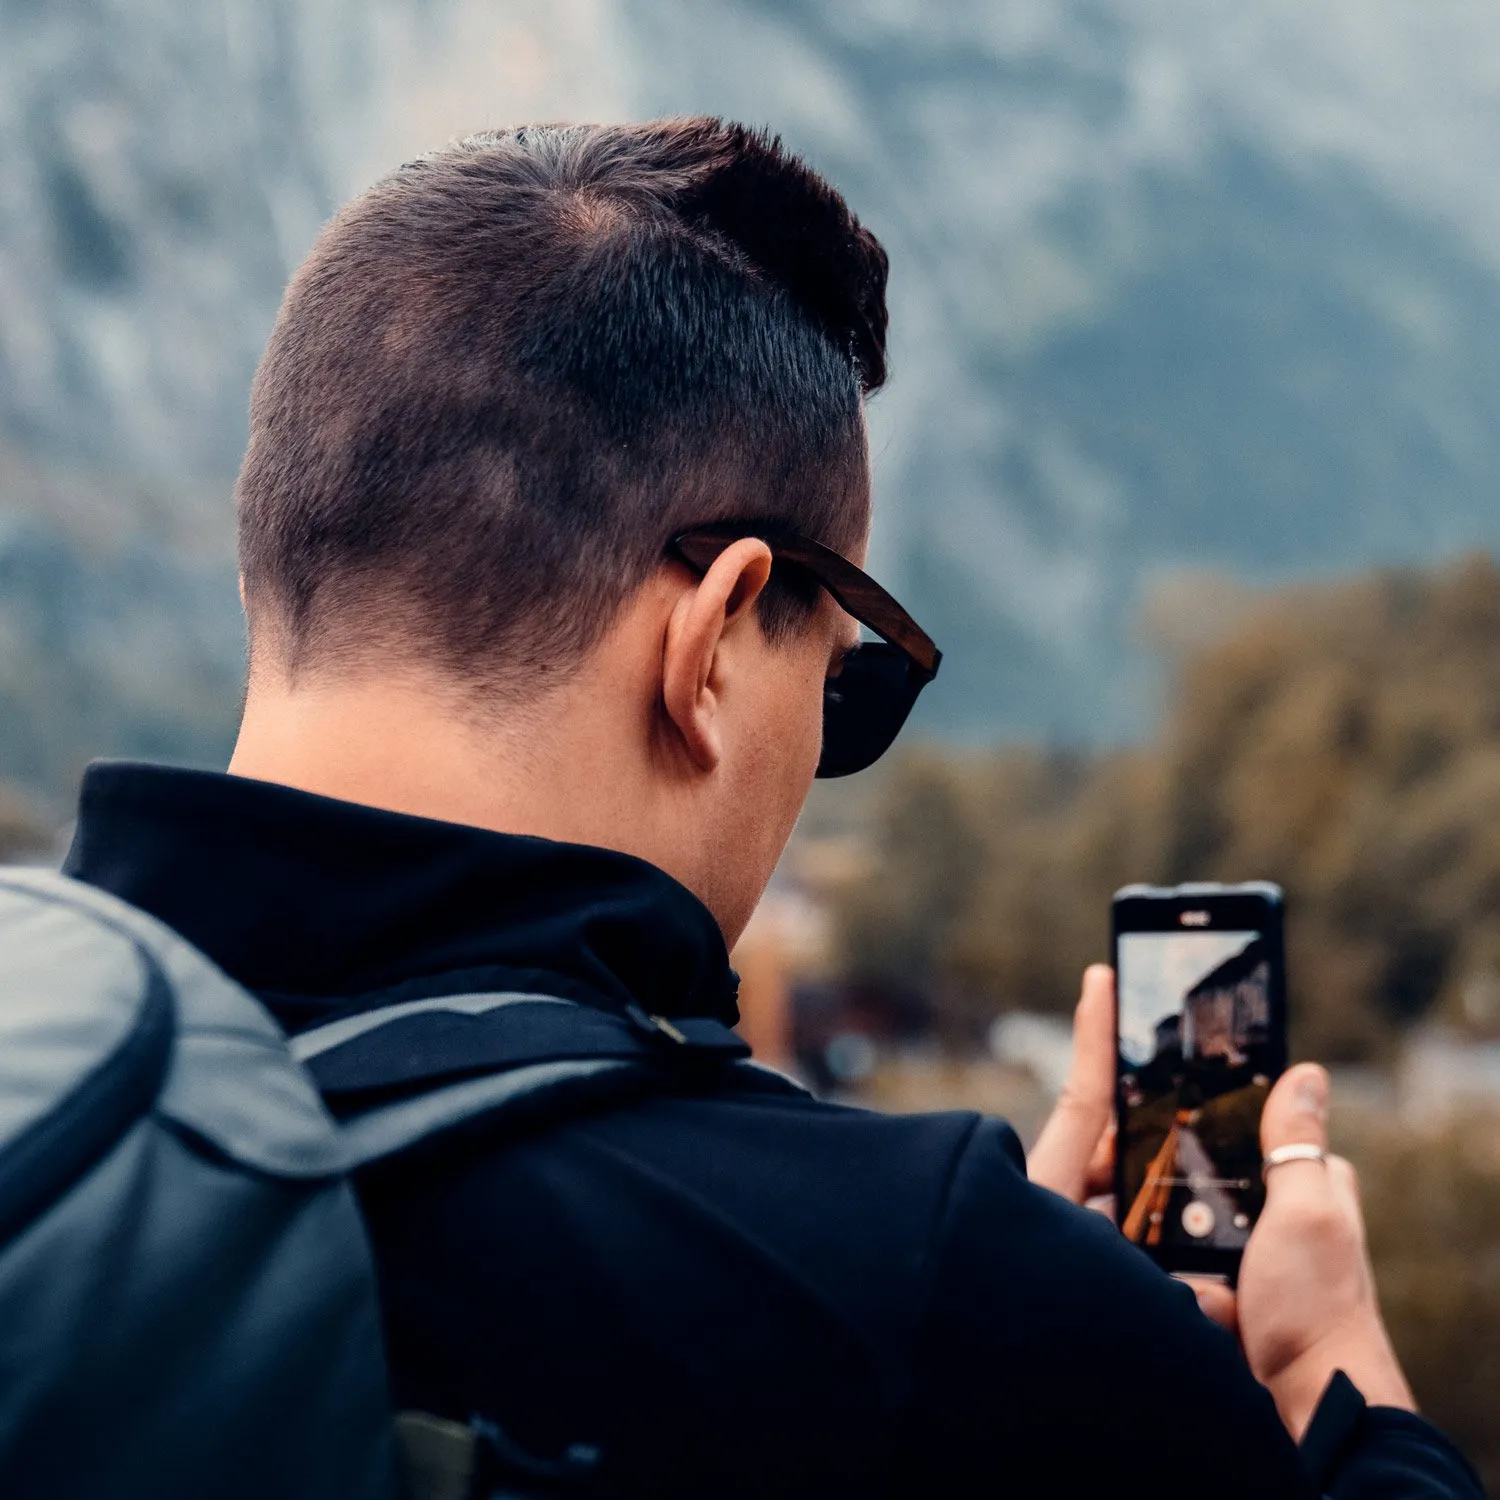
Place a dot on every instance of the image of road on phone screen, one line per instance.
(1196, 1064)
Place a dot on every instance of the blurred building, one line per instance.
(1228, 1012)
(800, 1009)
(785, 937)
(26, 835)
(1442, 1075)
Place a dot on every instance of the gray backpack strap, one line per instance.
(316, 1041)
(385, 1131)
(769, 1080)
(447, 1460)
(402, 1073)
(441, 1457)
(396, 1041)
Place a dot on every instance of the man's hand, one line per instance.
(1306, 1305)
(1307, 1294)
(1074, 1155)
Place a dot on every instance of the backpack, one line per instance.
(188, 1306)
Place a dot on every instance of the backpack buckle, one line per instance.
(697, 1037)
(654, 1026)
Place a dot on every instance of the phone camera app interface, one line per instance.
(1195, 1064)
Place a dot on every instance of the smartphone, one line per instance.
(1200, 1039)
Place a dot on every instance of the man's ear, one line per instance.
(692, 678)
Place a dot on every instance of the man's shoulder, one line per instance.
(859, 1136)
(851, 1203)
(838, 1160)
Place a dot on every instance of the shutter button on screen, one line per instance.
(1198, 1219)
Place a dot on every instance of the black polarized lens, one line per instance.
(865, 706)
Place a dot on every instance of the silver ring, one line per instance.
(1301, 1151)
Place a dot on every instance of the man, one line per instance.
(557, 482)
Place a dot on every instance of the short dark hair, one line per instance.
(507, 374)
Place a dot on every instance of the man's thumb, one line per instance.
(1296, 1112)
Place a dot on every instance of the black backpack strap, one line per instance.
(405, 1073)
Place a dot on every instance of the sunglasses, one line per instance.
(867, 701)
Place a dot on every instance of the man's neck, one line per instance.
(408, 746)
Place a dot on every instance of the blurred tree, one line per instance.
(895, 925)
(1343, 740)
(1432, 1204)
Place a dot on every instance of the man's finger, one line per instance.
(1099, 1176)
(1092, 1074)
(1217, 1301)
(1296, 1114)
(1060, 1159)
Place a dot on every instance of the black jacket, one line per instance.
(726, 1292)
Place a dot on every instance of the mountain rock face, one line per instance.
(1177, 285)
(161, 172)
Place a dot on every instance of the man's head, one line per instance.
(504, 379)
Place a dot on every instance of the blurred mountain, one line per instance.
(117, 633)
(1204, 285)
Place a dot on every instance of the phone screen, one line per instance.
(1201, 1040)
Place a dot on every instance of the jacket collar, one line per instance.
(322, 906)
